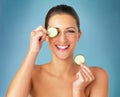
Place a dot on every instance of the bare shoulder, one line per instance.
(99, 87)
(36, 76)
(99, 73)
(39, 68)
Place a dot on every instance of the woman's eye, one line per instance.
(71, 31)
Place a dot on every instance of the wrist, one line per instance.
(78, 92)
(32, 52)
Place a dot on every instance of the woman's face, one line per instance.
(63, 45)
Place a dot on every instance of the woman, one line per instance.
(61, 77)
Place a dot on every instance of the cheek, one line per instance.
(51, 41)
(73, 42)
(73, 39)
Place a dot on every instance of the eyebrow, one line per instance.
(70, 27)
(66, 28)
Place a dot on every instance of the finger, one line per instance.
(37, 34)
(84, 75)
(88, 71)
(81, 64)
(87, 75)
(85, 72)
(38, 28)
(44, 33)
(80, 76)
(41, 28)
(43, 38)
(44, 30)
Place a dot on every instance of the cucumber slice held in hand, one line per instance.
(52, 32)
(79, 59)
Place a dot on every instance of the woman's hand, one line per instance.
(83, 78)
(37, 37)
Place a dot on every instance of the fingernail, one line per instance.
(82, 64)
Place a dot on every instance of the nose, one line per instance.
(62, 37)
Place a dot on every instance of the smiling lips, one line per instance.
(62, 47)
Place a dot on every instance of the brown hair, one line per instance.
(62, 9)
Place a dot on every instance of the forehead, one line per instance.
(62, 19)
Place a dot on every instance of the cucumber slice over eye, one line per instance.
(79, 59)
(52, 32)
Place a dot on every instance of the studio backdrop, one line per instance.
(100, 42)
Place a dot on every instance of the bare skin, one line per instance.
(42, 77)
(61, 77)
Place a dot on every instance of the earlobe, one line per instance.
(79, 34)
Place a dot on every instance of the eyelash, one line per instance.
(68, 31)
(71, 31)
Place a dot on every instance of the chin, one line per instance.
(63, 56)
(62, 52)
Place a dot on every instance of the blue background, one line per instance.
(100, 43)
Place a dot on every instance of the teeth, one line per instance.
(62, 47)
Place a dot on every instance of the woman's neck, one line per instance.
(61, 67)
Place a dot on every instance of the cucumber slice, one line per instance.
(79, 59)
(52, 32)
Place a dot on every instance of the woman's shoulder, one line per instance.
(99, 72)
(100, 84)
(99, 87)
(39, 68)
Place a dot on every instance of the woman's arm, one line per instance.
(20, 85)
(100, 87)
